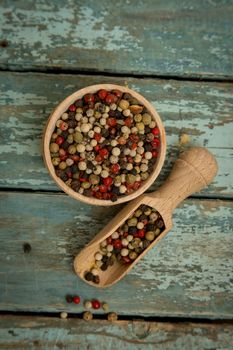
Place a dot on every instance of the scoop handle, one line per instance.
(193, 170)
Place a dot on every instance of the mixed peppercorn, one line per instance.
(128, 242)
(89, 304)
(105, 145)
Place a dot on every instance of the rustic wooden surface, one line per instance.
(204, 111)
(189, 272)
(169, 38)
(46, 333)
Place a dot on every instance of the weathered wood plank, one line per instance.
(202, 110)
(189, 273)
(50, 333)
(169, 38)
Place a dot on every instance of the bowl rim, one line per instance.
(63, 106)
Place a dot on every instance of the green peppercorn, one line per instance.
(137, 213)
(130, 178)
(62, 165)
(86, 185)
(112, 317)
(146, 118)
(135, 242)
(150, 236)
(72, 149)
(125, 227)
(55, 161)
(133, 255)
(138, 118)
(70, 138)
(105, 307)
(94, 179)
(140, 126)
(87, 316)
(78, 137)
(54, 148)
(147, 211)
(132, 222)
(157, 232)
(144, 176)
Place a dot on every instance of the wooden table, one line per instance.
(178, 54)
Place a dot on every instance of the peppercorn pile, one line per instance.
(105, 145)
(128, 242)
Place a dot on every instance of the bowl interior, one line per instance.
(63, 106)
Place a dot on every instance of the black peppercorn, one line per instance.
(150, 227)
(142, 217)
(72, 123)
(96, 279)
(63, 176)
(69, 298)
(132, 230)
(79, 103)
(104, 267)
(89, 276)
(159, 223)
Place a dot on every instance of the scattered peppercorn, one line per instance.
(63, 315)
(76, 299)
(87, 316)
(96, 304)
(112, 317)
(101, 137)
(69, 299)
(105, 307)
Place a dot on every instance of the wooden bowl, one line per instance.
(63, 106)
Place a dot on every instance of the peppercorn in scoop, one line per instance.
(128, 242)
(105, 145)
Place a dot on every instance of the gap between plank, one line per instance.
(90, 72)
(120, 317)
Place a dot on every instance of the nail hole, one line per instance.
(27, 248)
(4, 43)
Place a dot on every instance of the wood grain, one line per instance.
(74, 334)
(201, 110)
(165, 38)
(189, 272)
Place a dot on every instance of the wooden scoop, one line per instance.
(193, 170)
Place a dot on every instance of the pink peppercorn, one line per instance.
(97, 136)
(96, 304)
(155, 131)
(107, 181)
(59, 140)
(72, 108)
(63, 126)
(103, 152)
(76, 299)
(110, 98)
(88, 98)
(155, 143)
(102, 94)
(111, 122)
(115, 168)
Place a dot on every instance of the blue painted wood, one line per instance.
(74, 334)
(201, 110)
(168, 38)
(188, 274)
